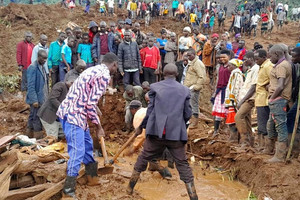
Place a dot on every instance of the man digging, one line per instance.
(79, 105)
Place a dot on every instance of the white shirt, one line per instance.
(254, 19)
(251, 79)
(128, 5)
(286, 7)
(110, 3)
(295, 11)
(237, 21)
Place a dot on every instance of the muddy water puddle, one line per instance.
(209, 185)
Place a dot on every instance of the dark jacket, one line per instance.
(168, 111)
(35, 84)
(96, 46)
(48, 110)
(180, 70)
(129, 56)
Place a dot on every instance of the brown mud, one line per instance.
(279, 181)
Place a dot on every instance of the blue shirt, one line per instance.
(188, 5)
(162, 43)
(85, 52)
(68, 53)
(175, 4)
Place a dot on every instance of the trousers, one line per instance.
(243, 118)
(34, 122)
(80, 146)
(154, 148)
(277, 120)
(194, 101)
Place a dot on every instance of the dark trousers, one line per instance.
(34, 122)
(55, 75)
(149, 75)
(24, 80)
(291, 115)
(174, 10)
(63, 70)
(135, 76)
(262, 119)
(154, 148)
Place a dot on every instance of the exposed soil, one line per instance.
(279, 181)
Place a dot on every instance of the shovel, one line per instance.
(112, 161)
(107, 169)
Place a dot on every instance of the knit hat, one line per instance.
(187, 29)
(237, 35)
(236, 62)
(128, 21)
(135, 104)
(93, 24)
(215, 35)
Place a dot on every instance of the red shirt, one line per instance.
(264, 17)
(91, 36)
(24, 52)
(104, 44)
(152, 57)
(121, 33)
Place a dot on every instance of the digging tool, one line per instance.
(112, 161)
(295, 128)
(107, 169)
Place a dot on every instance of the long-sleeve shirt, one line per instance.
(35, 54)
(83, 96)
(54, 56)
(24, 52)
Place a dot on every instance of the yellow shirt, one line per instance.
(193, 17)
(133, 6)
(263, 79)
(181, 8)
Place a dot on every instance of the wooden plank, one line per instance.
(24, 193)
(5, 179)
(48, 193)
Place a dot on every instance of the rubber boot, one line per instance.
(29, 132)
(163, 171)
(171, 164)
(38, 135)
(261, 142)
(69, 188)
(190, 187)
(194, 122)
(280, 153)
(269, 146)
(234, 135)
(92, 176)
(133, 180)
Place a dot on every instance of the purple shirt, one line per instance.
(223, 77)
(83, 96)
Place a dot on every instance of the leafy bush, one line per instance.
(9, 83)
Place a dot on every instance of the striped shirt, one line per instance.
(83, 96)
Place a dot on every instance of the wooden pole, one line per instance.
(295, 127)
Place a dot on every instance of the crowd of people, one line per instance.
(165, 76)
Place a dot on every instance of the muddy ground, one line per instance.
(279, 181)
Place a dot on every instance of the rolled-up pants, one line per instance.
(194, 101)
(243, 118)
(154, 148)
(80, 146)
(277, 126)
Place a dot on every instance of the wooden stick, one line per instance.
(197, 156)
(295, 128)
(122, 148)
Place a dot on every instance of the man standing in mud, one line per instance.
(165, 122)
(79, 105)
(24, 52)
